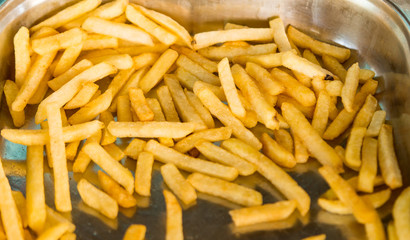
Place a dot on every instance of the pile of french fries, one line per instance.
(172, 97)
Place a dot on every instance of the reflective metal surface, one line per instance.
(373, 28)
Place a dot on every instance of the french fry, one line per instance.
(137, 50)
(124, 109)
(401, 215)
(279, 34)
(68, 91)
(270, 60)
(41, 89)
(54, 218)
(273, 173)
(134, 148)
(375, 230)
(376, 200)
(217, 53)
(363, 212)
(206, 39)
(186, 111)
(143, 173)
(368, 169)
(174, 217)
(301, 152)
(376, 123)
(151, 129)
(167, 104)
(228, 85)
(350, 87)
(284, 138)
(387, 158)
(21, 206)
(135, 232)
(54, 232)
(333, 65)
(264, 213)
(321, 114)
(187, 163)
(113, 168)
(83, 160)
(114, 190)
(71, 150)
(345, 118)
(276, 152)
(92, 109)
(177, 183)
(120, 61)
(200, 109)
(10, 91)
(83, 96)
(137, 18)
(311, 139)
(334, 88)
(234, 26)
(220, 155)
(251, 92)
(155, 74)
(118, 30)
(353, 148)
(309, 55)
(391, 231)
(97, 41)
(316, 237)
(365, 74)
(59, 81)
(10, 215)
(107, 138)
(68, 236)
(227, 190)
(97, 199)
(307, 111)
(155, 106)
(22, 46)
(35, 202)
(68, 14)
(68, 59)
(114, 151)
(139, 105)
(207, 64)
(145, 59)
(197, 70)
(302, 65)
(264, 78)
(212, 135)
(58, 41)
(320, 48)
(221, 111)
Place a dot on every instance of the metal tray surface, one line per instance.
(376, 30)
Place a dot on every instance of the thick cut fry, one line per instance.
(376, 123)
(227, 190)
(187, 163)
(68, 91)
(368, 170)
(353, 148)
(320, 48)
(363, 212)
(107, 138)
(200, 109)
(279, 34)
(197, 70)
(265, 79)
(309, 55)
(10, 92)
(207, 64)
(206, 39)
(59, 81)
(118, 30)
(220, 155)
(135, 232)
(276, 152)
(156, 73)
(217, 53)
(296, 63)
(401, 215)
(9, 214)
(57, 148)
(92, 109)
(71, 150)
(54, 232)
(139, 105)
(151, 129)
(345, 118)
(310, 137)
(266, 113)
(321, 114)
(97, 199)
(273, 173)
(114, 190)
(68, 59)
(333, 65)
(97, 41)
(212, 135)
(143, 173)
(265, 60)
(135, 147)
(167, 104)
(113, 168)
(124, 109)
(265, 213)
(221, 111)
(228, 85)
(350, 87)
(174, 217)
(21, 43)
(387, 158)
(35, 203)
(137, 18)
(83, 96)
(376, 200)
(177, 183)
(186, 111)
(120, 61)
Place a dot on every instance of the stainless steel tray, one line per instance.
(377, 30)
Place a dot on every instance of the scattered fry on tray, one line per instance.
(135, 232)
(112, 188)
(174, 217)
(178, 184)
(143, 173)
